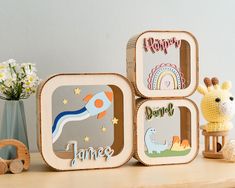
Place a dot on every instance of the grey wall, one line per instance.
(90, 36)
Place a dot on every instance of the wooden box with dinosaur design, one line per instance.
(163, 64)
(166, 131)
(85, 121)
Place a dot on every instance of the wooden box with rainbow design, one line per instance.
(166, 131)
(161, 61)
(84, 121)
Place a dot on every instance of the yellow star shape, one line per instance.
(115, 121)
(77, 91)
(103, 129)
(86, 139)
(65, 101)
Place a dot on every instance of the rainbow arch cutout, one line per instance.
(166, 76)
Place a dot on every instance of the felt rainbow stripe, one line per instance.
(160, 71)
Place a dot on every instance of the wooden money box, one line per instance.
(166, 131)
(163, 64)
(85, 121)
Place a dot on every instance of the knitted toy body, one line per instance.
(217, 105)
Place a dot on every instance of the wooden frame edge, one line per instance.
(38, 101)
(139, 102)
(137, 92)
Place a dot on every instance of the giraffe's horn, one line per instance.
(207, 82)
(215, 81)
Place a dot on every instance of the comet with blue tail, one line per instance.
(95, 105)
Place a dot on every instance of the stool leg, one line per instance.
(207, 145)
(214, 144)
(224, 140)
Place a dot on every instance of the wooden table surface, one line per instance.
(199, 173)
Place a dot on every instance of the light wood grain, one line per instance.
(199, 173)
(123, 108)
(193, 131)
(3, 166)
(16, 166)
(135, 64)
(211, 146)
(22, 151)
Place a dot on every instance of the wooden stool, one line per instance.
(214, 152)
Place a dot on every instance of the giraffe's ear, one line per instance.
(202, 89)
(226, 85)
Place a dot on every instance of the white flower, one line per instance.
(16, 78)
(31, 80)
(10, 68)
(2, 76)
(28, 68)
(3, 73)
(9, 82)
(11, 61)
(3, 66)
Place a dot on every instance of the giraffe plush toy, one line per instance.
(217, 105)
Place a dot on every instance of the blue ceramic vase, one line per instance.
(13, 126)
